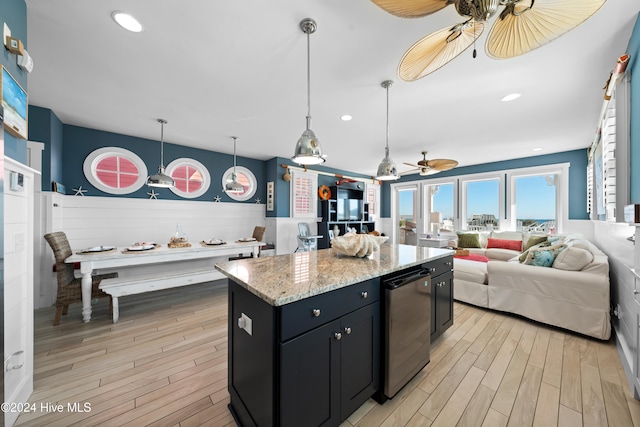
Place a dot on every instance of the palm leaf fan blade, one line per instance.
(522, 29)
(411, 8)
(437, 49)
(442, 164)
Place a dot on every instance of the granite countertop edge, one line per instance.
(257, 286)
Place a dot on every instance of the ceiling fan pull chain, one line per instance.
(475, 53)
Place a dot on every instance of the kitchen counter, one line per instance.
(284, 279)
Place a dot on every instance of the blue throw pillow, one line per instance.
(544, 256)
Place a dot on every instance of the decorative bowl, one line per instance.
(357, 245)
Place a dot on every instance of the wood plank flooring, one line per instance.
(165, 364)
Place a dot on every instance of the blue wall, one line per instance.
(577, 177)
(634, 69)
(14, 13)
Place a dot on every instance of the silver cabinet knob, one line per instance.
(337, 336)
(449, 263)
(364, 294)
(441, 284)
(347, 330)
(432, 269)
(316, 312)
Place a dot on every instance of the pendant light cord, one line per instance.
(387, 145)
(234, 153)
(162, 122)
(308, 79)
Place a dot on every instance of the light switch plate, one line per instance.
(246, 323)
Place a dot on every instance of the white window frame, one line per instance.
(204, 172)
(426, 200)
(488, 176)
(92, 160)
(562, 191)
(253, 182)
(310, 193)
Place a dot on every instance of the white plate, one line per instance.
(215, 242)
(140, 248)
(247, 239)
(100, 249)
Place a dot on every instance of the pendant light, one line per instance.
(308, 151)
(234, 186)
(160, 179)
(387, 168)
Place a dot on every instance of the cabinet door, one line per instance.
(310, 376)
(360, 357)
(444, 303)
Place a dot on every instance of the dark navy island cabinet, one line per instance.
(311, 362)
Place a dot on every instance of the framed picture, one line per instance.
(14, 101)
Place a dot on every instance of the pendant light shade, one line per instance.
(234, 186)
(161, 180)
(308, 151)
(387, 170)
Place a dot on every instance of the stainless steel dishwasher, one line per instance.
(407, 327)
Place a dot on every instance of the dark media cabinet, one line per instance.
(334, 214)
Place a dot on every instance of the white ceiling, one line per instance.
(215, 69)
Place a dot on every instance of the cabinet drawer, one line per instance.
(309, 313)
(440, 266)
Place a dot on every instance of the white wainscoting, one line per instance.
(92, 221)
(18, 287)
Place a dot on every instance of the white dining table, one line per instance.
(120, 257)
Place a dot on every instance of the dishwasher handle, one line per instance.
(401, 281)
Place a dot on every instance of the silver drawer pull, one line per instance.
(347, 330)
(432, 269)
(364, 294)
(449, 263)
(337, 336)
(441, 284)
(315, 312)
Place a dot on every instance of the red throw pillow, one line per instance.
(514, 245)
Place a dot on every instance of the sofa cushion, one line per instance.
(514, 245)
(533, 240)
(500, 254)
(573, 259)
(470, 271)
(468, 240)
(544, 256)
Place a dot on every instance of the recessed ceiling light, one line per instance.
(537, 149)
(127, 21)
(510, 97)
(346, 117)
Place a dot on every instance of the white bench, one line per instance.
(137, 285)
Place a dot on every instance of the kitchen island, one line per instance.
(305, 332)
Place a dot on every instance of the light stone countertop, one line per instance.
(283, 279)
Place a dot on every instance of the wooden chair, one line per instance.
(258, 234)
(69, 286)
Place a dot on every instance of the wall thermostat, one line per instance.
(16, 181)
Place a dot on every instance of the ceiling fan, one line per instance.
(522, 26)
(430, 167)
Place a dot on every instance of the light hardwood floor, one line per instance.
(165, 364)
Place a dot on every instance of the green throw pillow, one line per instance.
(534, 240)
(468, 240)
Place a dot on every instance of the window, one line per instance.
(303, 194)
(191, 177)
(440, 199)
(246, 178)
(535, 198)
(115, 170)
(481, 204)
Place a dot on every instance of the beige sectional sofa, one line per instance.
(571, 293)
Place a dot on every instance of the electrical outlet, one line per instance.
(7, 32)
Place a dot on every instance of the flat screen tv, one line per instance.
(349, 209)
